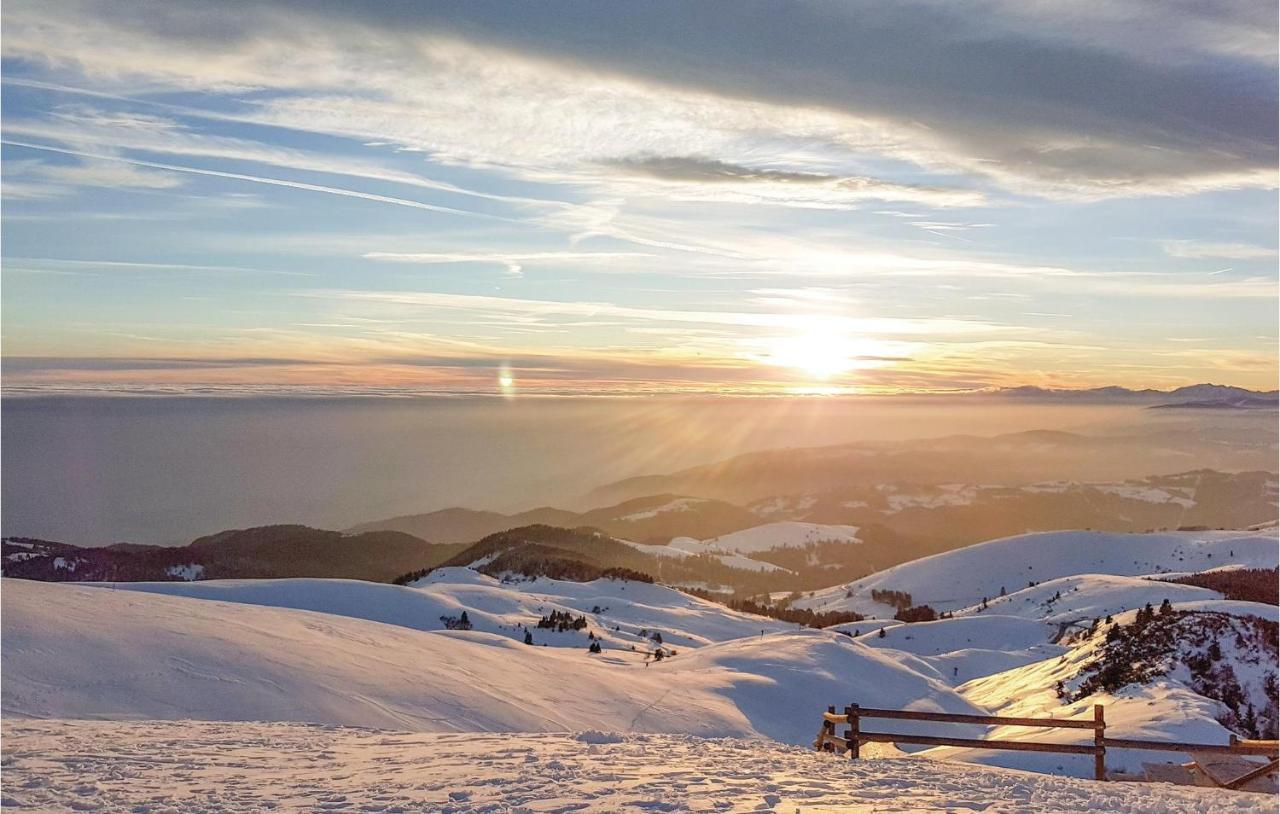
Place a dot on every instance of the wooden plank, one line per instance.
(1240, 748)
(854, 736)
(992, 720)
(1099, 744)
(977, 743)
(1261, 771)
(1251, 743)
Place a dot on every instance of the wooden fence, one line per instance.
(855, 736)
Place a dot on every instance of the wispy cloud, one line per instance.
(257, 179)
(1198, 250)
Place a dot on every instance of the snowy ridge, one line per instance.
(961, 578)
(131, 655)
(616, 610)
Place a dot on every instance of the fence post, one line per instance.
(855, 731)
(828, 730)
(1099, 743)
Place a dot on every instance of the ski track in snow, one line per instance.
(149, 767)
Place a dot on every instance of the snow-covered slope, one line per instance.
(1167, 706)
(961, 578)
(739, 549)
(298, 768)
(1087, 597)
(691, 548)
(89, 652)
(788, 534)
(617, 611)
(964, 648)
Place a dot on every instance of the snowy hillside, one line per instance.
(300, 768)
(131, 655)
(789, 534)
(810, 550)
(616, 611)
(962, 578)
(1086, 597)
(1167, 704)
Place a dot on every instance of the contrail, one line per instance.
(257, 179)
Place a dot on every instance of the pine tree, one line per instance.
(1166, 608)
(528, 637)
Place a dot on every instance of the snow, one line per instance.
(188, 573)
(961, 578)
(945, 496)
(784, 505)
(341, 653)
(964, 648)
(682, 504)
(63, 564)
(1166, 709)
(946, 635)
(1150, 494)
(682, 547)
(494, 606)
(1089, 596)
(731, 548)
(115, 654)
(789, 534)
(150, 766)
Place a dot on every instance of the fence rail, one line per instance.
(855, 736)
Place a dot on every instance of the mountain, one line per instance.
(814, 540)
(655, 518)
(262, 552)
(1124, 395)
(586, 554)
(459, 525)
(1011, 460)
(960, 579)
(1230, 403)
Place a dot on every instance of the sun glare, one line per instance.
(819, 353)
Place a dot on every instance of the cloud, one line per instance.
(105, 173)
(796, 187)
(1196, 250)
(539, 310)
(1045, 101)
(256, 179)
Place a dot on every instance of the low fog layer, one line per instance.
(101, 470)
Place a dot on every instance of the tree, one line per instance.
(1166, 608)
(528, 637)
(595, 647)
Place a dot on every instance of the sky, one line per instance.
(576, 197)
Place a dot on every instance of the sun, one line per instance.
(820, 353)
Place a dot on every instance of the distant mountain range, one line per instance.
(1012, 459)
(783, 543)
(1188, 396)
(256, 553)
